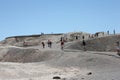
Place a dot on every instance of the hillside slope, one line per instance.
(107, 43)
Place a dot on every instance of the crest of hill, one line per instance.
(34, 40)
(31, 40)
(106, 43)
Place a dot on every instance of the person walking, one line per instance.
(49, 43)
(84, 45)
(118, 48)
(43, 44)
(62, 44)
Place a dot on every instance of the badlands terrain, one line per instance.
(24, 58)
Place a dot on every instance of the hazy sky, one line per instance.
(26, 17)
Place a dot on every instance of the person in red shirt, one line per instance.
(62, 44)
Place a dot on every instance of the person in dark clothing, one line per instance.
(84, 45)
(118, 48)
(43, 44)
(49, 43)
(62, 45)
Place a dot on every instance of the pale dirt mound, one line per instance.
(89, 60)
(70, 64)
(27, 55)
(107, 43)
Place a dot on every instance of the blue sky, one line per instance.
(26, 17)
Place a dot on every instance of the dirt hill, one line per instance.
(14, 54)
(33, 62)
(106, 43)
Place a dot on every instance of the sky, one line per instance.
(28, 17)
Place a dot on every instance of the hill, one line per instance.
(105, 43)
(32, 62)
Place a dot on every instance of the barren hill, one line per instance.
(32, 62)
(106, 43)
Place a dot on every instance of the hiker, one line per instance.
(118, 48)
(62, 44)
(43, 44)
(84, 44)
(49, 44)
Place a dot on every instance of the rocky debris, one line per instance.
(90, 73)
(82, 78)
(56, 77)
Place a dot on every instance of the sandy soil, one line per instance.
(67, 64)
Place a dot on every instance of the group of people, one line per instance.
(83, 43)
(50, 44)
